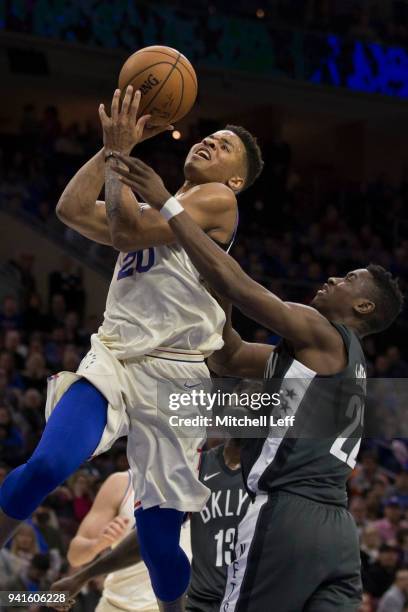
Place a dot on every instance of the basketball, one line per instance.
(167, 82)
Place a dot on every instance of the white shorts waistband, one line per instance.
(172, 354)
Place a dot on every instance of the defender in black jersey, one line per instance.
(297, 547)
(214, 529)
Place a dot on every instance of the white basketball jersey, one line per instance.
(130, 589)
(156, 299)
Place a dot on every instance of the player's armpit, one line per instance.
(212, 206)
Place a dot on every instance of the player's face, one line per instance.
(218, 158)
(345, 295)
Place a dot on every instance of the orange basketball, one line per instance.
(166, 79)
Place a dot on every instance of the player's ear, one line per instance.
(363, 306)
(235, 183)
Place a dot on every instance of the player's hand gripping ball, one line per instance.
(123, 130)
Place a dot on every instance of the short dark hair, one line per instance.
(388, 299)
(254, 161)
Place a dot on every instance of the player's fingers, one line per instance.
(115, 105)
(102, 114)
(141, 124)
(113, 529)
(127, 100)
(128, 174)
(120, 521)
(132, 184)
(131, 162)
(141, 164)
(134, 107)
(158, 129)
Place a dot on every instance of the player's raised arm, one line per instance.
(78, 206)
(237, 357)
(101, 527)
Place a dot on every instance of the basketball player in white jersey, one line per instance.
(160, 323)
(108, 522)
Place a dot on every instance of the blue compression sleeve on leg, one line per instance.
(158, 530)
(71, 435)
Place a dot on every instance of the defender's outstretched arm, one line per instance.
(237, 357)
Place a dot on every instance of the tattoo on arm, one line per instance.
(113, 192)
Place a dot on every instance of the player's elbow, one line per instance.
(64, 209)
(123, 242)
(72, 556)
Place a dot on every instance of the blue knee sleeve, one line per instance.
(158, 530)
(71, 435)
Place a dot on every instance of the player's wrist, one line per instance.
(171, 208)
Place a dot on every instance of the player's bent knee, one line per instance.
(47, 471)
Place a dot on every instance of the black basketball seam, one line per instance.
(181, 96)
(193, 75)
(144, 70)
(163, 84)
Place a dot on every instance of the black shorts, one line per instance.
(294, 555)
(201, 605)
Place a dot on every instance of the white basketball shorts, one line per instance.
(164, 460)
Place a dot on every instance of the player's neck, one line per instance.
(232, 456)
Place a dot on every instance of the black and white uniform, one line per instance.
(297, 547)
(213, 531)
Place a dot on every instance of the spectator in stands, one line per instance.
(370, 545)
(9, 314)
(55, 348)
(80, 487)
(68, 282)
(380, 575)
(32, 578)
(396, 598)
(389, 525)
(11, 440)
(58, 311)
(7, 363)
(358, 509)
(42, 519)
(366, 472)
(397, 367)
(13, 344)
(400, 489)
(35, 373)
(34, 318)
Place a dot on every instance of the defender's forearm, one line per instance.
(79, 196)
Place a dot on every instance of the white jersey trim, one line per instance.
(302, 377)
(237, 569)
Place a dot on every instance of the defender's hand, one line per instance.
(143, 180)
(122, 130)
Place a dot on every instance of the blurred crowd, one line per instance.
(291, 247)
(379, 20)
